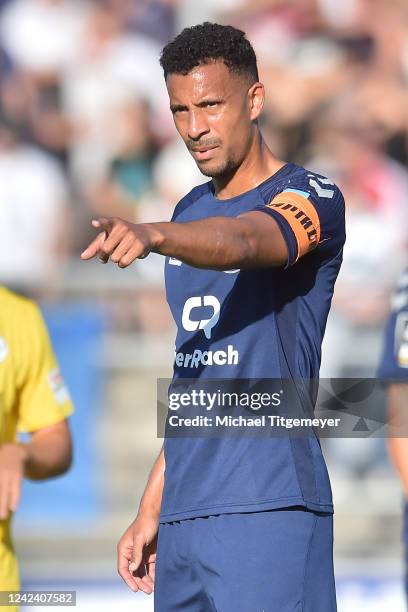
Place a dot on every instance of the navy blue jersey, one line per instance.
(254, 324)
(394, 361)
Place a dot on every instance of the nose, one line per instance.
(197, 124)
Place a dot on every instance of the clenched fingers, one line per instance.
(143, 578)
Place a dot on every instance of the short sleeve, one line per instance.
(311, 214)
(43, 397)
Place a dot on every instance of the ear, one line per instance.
(256, 98)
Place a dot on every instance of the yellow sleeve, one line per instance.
(43, 397)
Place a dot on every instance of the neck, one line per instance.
(258, 165)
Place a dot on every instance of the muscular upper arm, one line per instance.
(267, 241)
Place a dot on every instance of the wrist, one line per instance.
(24, 452)
(15, 452)
(155, 236)
(147, 514)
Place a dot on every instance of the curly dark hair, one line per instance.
(201, 44)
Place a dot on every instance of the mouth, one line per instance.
(201, 153)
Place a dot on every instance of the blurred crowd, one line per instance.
(85, 127)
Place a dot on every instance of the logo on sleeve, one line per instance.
(322, 192)
(57, 386)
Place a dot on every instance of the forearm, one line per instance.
(48, 454)
(251, 240)
(151, 500)
(218, 243)
(398, 450)
(397, 398)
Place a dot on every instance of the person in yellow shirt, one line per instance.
(33, 399)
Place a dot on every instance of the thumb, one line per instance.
(103, 223)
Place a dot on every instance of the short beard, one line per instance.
(222, 170)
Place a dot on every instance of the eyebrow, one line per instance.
(177, 107)
(180, 107)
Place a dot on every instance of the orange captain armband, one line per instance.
(301, 216)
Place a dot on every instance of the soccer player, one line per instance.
(236, 524)
(393, 371)
(34, 399)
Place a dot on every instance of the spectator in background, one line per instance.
(35, 106)
(173, 174)
(130, 173)
(380, 18)
(41, 36)
(154, 18)
(376, 191)
(385, 117)
(110, 70)
(34, 213)
(142, 186)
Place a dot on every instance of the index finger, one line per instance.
(94, 248)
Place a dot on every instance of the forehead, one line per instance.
(205, 80)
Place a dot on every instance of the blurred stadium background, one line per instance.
(85, 130)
